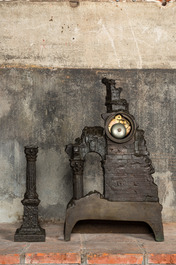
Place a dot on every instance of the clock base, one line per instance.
(94, 207)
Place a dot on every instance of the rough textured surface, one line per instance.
(51, 107)
(126, 179)
(93, 35)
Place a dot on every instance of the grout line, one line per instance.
(141, 246)
(145, 260)
(23, 252)
(83, 251)
(145, 255)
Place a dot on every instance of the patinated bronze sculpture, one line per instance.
(130, 193)
(30, 230)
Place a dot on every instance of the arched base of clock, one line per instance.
(94, 207)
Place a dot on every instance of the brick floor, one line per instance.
(102, 248)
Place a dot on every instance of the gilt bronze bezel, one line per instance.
(131, 121)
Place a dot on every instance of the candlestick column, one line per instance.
(30, 230)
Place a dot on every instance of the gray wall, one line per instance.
(51, 107)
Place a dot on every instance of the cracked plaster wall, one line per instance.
(44, 103)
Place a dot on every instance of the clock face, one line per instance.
(120, 127)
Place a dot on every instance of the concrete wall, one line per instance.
(44, 103)
(93, 35)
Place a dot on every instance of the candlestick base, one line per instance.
(30, 230)
(28, 235)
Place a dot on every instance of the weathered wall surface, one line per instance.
(93, 35)
(44, 103)
(51, 107)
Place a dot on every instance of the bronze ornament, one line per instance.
(130, 193)
(30, 230)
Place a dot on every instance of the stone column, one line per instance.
(30, 231)
(77, 166)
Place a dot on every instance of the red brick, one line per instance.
(57, 258)
(10, 259)
(106, 258)
(162, 258)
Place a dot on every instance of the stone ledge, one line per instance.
(110, 1)
(85, 249)
(106, 258)
(162, 258)
(52, 258)
(76, 258)
(10, 259)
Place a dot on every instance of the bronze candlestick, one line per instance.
(30, 230)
